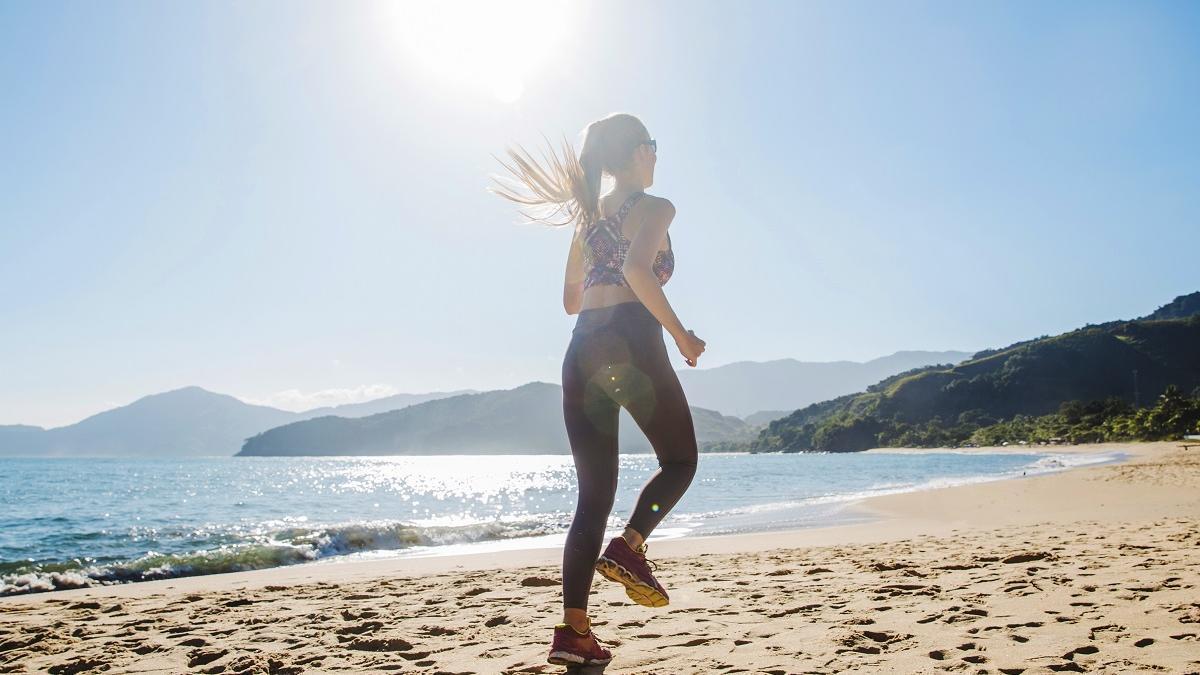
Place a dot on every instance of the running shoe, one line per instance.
(625, 565)
(572, 648)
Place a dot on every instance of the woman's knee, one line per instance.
(596, 504)
(684, 465)
(684, 452)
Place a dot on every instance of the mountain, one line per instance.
(746, 387)
(192, 421)
(1179, 308)
(488, 423)
(185, 422)
(385, 404)
(765, 417)
(1130, 361)
(21, 440)
(523, 420)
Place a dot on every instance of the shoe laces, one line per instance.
(641, 551)
(595, 638)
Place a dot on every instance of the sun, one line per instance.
(494, 46)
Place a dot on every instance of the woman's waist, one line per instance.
(624, 313)
(601, 295)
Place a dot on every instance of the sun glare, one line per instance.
(490, 45)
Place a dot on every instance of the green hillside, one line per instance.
(1090, 384)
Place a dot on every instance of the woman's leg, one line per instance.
(660, 408)
(591, 418)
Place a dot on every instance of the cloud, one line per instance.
(299, 401)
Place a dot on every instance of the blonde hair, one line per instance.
(569, 184)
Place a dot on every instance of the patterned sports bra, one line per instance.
(605, 248)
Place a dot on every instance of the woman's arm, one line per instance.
(573, 282)
(639, 263)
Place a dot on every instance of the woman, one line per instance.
(620, 258)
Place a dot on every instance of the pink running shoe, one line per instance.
(626, 566)
(572, 648)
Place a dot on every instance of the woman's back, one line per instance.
(605, 244)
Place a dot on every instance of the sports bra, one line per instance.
(605, 248)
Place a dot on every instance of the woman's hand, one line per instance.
(690, 346)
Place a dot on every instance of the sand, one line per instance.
(1090, 570)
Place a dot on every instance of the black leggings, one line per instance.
(617, 358)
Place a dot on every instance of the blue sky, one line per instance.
(285, 201)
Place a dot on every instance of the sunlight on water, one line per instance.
(456, 476)
(130, 520)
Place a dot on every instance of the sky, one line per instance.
(285, 201)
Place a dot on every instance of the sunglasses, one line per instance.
(652, 143)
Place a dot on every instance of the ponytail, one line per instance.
(568, 184)
(591, 160)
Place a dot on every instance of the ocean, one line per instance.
(67, 523)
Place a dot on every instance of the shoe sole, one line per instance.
(641, 593)
(569, 659)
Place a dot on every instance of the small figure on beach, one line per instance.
(620, 258)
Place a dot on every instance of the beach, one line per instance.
(1094, 569)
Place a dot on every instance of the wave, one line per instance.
(288, 546)
(1061, 462)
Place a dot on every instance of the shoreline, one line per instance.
(871, 508)
(1089, 569)
(1133, 448)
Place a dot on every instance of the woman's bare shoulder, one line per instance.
(658, 205)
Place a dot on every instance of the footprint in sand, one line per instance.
(869, 642)
(77, 666)
(1086, 650)
(1107, 633)
(380, 645)
(203, 657)
(359, 629)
